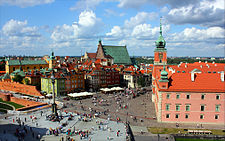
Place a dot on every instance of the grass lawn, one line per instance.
(3, 110)
(157, 130)
(186, 139)
(4, 106)
(12, 103)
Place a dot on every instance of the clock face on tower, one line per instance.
(160, 56)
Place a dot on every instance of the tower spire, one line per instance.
(160, 43)
(161, 26)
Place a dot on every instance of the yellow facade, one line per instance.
(11, 68)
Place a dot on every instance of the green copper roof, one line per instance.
(160, 43)
(164, 74)
(18, 72)
(26, 62)
(6, 76)
(119, 54)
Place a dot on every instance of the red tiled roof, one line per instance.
(203, 67)
(98, 61)
(204, 82)
(91, 55)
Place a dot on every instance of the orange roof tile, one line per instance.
(91, 55)
(203, 82)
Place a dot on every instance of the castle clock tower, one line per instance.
(160, 58)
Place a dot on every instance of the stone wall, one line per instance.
(20, 88)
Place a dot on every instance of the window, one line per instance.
(217, 108)
(217, 97)
(187, 108)
(167, 107)
(203, 96)
(27, 68)
(167, 115)
(188, 96)
(177, 107)
(202, 107)
(186, 115)
(177, 116)
(201, 116)
(178, 96)
(216, 116)
(168, 96)
(14, 68)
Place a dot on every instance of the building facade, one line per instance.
(25, 65)
(189, 94)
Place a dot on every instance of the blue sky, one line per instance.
(35, 27)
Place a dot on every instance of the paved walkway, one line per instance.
(98, 132)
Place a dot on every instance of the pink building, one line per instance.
(187, 93)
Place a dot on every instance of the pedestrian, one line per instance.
(23, 123)
(13, 120)
(117, 133)
(25, 119)
(36, 124)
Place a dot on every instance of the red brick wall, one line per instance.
(5, 97)
(20, 88)
(24, 102)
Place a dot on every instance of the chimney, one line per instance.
(192, 77)
(185, 65)
(200, 66)
(222, 76)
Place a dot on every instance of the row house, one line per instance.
(47, 86)
(98, 75)
(133, 77)
(74, 81)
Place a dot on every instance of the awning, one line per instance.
(49, 95)
(80, 94)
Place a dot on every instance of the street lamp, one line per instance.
(54, 105)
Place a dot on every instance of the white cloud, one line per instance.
(19, 38)
(194, 34)
(115, 31)
(87, 19)
(132, 4)
(86, 4)
(25, 3)
(86, 28)
(165, 9)
(206, 13)
(146, 32)
(19, 28)
(141, 17)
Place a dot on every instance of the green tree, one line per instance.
(18, 78)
